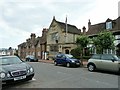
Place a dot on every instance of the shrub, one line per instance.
(76, 52)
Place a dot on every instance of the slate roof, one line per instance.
(35, 41)
(95, 29)
(71, 28)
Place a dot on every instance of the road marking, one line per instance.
(33, 79)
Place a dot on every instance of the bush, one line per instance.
(76, 52)
(86, 57)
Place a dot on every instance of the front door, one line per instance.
(66, 51)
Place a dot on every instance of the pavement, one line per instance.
(52, 62)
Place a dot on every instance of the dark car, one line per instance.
(31, 58)
(67, 60)
(13, 69)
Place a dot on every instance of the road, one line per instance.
(50, 76)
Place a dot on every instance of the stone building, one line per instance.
(61, 37)
(33, 46)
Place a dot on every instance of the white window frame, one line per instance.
(108, 25)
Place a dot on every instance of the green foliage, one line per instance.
(95, 41)
(86, 57)
(82, 41)
(76, 52)
(104, 40)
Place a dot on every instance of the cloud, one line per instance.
(99, 12)
(11, 36)
(20, 18)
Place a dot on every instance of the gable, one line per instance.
(62, 26)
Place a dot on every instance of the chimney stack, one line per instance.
(84, 30)
(33, 36)
(89, 24)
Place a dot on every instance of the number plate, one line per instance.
(78, 63)
(19, 78)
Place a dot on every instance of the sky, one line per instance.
(20, 18)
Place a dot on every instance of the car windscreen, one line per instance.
(32, 57)
(70, 56)
(9, 60)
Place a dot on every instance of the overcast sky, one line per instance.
(20, 18)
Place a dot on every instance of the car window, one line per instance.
(107, 57)
(59, 56)
(32, 57)
(9, 60)
(97, 56)
(69, 56)
(63, 56)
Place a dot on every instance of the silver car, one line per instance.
(108, 62)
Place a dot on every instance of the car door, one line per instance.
(58, 59)
(63, 59)
(109, 63)
(96, 59)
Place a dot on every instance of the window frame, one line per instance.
(109, 25)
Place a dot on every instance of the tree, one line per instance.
(10, 48)
(104, 40)
(76, 52)
(96, 43)
(82, 41)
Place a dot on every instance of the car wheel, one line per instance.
(68, 64)
(55, 63)
(28, 60)
(36, 60)
(91, 67)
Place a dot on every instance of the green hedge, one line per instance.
(86, 57)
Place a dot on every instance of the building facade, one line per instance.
(4, 51)
(109, 25)
(61, 37)
(33, 46)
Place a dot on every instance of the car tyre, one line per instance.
(55, 63)
(91, 67)
(68, 64)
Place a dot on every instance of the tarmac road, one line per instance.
(49, 76)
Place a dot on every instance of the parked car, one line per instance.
(67, 60)
(107, 62)
(31, 58)
(13, 69)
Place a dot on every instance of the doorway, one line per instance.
(66, 51)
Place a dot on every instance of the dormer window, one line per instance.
(108, 25)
